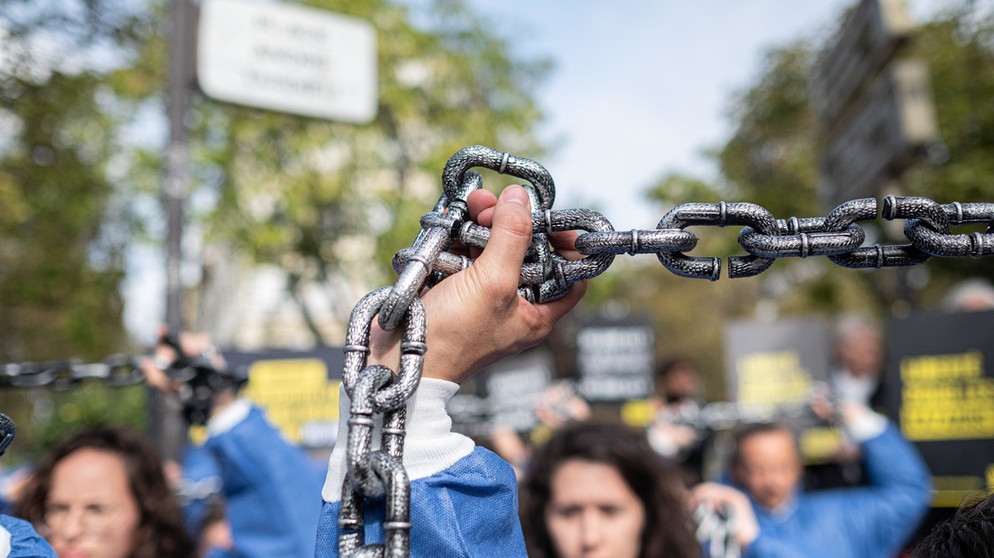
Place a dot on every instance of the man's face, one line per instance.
(861, 352)
(769, 467)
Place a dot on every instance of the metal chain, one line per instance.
(115, 371)
(545, 276)
(716, 528)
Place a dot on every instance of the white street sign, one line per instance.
(288, 58)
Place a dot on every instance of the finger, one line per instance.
(509, 239)
(553, 311)
(481, 210)
(564, 243)
(478, 201)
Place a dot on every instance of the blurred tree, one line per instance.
(81, 159)
(63, 223)
(302, 194)
(321, 200)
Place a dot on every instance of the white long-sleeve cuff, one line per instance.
(863, 423)
(229, 417)
(430, 445)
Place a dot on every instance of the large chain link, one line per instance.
(546, 275)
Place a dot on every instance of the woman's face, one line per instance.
(592, 512)
(90, 511)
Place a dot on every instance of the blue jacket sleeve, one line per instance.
(886, 513)
(18, 539)
(464, 499)
(271, 488)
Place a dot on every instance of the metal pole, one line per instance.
(166, 427)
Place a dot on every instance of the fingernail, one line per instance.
(516, 194)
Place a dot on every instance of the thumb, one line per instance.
(509, 238)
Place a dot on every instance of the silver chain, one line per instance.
(115, 371)
(546, 275)
(716, 528)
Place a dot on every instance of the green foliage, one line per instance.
(81, 167)
(44, 417)
(301, 193)
(772, 158)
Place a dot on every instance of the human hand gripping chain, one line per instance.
(474, 318)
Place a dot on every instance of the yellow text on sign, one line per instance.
(772, 378)
(946, 397)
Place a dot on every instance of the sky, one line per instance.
(640, 89)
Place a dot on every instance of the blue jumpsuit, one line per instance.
(18, 539)
(464, 499)
(270, 486)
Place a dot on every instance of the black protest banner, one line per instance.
(615, 359)
(772, 368)
(940, 390)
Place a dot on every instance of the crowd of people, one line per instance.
(594, 488)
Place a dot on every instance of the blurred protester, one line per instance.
(856, 375)
(270, 488)
(560, 404)
(968, 534)
(970, 295)
(676, 405)
(102, 493)
(463, 498)
(866, 521)
(557, 405)
(599, 490)
(858, 360)
(18, 539)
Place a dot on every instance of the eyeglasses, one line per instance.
(93, 517)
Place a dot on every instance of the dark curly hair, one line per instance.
(161, 533)
(968, 534)
(667, 529)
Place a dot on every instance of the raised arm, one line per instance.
(463, 498)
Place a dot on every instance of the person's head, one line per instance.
(968, 534)
(766, 463)
(677, 379)
(102, 494)
(859, 345)
(970, 295)
(599, 490)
